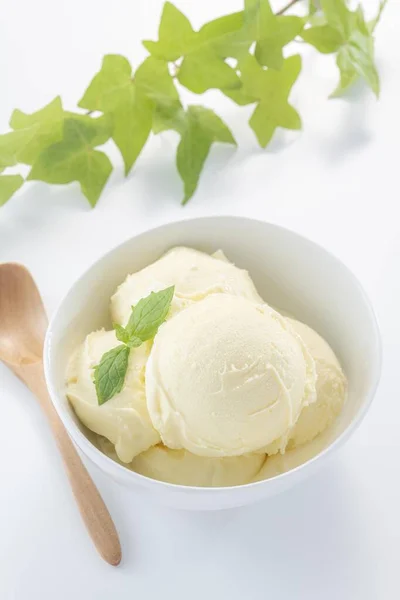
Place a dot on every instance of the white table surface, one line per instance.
(338, 535)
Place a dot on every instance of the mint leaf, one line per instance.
(202, 128)
(75, 159)
(114, 91)
(121, 333)
(146, 317)
(148, 314)
(272, 89)
(324, 38)
(109, 375)
(9, 184)
(32, 134)
(175, 35)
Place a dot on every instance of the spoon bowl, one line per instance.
(23, 325)
(22, 317)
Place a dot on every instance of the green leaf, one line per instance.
(204, 70)
(114, 91)
(269, 48)
(272, 89)
(32, 134)
(121, 333)
(75, 159)
(203, 66)
(148, 314)
(203, 128)
(226, 35)
(239, 96)
(312, 8)
(373, 24)
(175, 35)
(155, 81)
(324, 38)
(272, 32)
(356, 50)
(134, 342)
(9, 184)
(109, 375)
(356, 59)
(338, 16)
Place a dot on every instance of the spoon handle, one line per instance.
(91, 505)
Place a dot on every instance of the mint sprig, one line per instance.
(240, 54)
(146, 317)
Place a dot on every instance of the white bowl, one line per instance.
(291, 273)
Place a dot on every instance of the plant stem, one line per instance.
(285, 8)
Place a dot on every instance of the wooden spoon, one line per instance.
(23, 324)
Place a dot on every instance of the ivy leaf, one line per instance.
(148, 314)
(272, 89)
(356, 52)
(239, 96)
(9, 184)
(338, 16)
(175, 35)
(204, 70)
(109, 375)
(324, 38)
(202, 128)
(312, 8)
(75, 157)
(32, 134)
(203, 66)
(373, 24)
(155, 80)
(114, 91)
(272, 32)
(228, 36)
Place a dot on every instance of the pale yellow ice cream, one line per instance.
(226, 380)
(331, 388)
(184, 468)
(331, 393)
(194, 274)
(226, 377)
(124, 419)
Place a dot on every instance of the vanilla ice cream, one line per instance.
(331, 388)
(184, 468)
(124, 419)
(227, 392)
(194, 274)
(226, 377)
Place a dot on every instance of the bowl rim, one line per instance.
(92, 452)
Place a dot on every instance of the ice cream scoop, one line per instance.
(194, 274)
(124, 420)
(184, 468)
(226, 377)
(331, 388)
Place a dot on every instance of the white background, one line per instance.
(338, 535)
